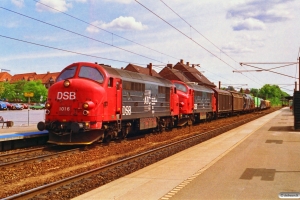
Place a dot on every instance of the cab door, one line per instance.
(109, 105)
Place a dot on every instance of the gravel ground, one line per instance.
(24, 177)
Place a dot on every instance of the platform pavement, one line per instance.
(258, 160)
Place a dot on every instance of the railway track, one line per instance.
(33, 155)
(80, 183)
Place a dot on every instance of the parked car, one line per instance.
(3, 106)
(37, 106)
(18, 106)
(10, 106)
(25, 106)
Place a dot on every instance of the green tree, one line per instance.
(2, 88)
(9, 91)
(254, 92)
(272, 93)
(19, 89)
(39, 90)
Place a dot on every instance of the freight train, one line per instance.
(91, 102)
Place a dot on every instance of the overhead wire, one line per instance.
(113, 45)
(90, 24)
(205, 37)
(190, 37)
(183, 34)
(67, 31)
(78, 34)
(197, 31)
(269, 71)
(73, 52)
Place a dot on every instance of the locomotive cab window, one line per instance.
(67, 73)
(110, 82)
(90, 73)
(180, 87)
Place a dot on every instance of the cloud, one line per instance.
(236, 48)
(252, 15)
(12, 24)
(120, 23)
(255, 40)
(18, 3)
(60, 5)
(93, 28)
(249, 24)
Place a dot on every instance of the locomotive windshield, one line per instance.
(91, 73)
(180, 87)
(67, 73)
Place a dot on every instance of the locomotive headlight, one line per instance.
(85, 105)
(88, 105)
(67, 83)
(87, 125)
(47, 105)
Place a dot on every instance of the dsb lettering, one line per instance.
(66, 95)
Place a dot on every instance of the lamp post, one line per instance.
(299, 73)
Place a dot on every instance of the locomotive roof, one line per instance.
(200, 88)
(136, 77)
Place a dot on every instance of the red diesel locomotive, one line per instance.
(196, 102)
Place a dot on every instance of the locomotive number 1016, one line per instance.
(64, 110)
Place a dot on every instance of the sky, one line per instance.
(47, 35)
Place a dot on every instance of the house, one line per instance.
(173, 74)
(47, 79)
(142, 70)
(186, 73)
(23, 77)
(5, 77)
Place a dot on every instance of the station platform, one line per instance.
(258, 160)
(21, 137)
